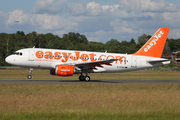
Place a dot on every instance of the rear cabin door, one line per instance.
(134, 62)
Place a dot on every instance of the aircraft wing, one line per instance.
(84, 66)
(93, 64)
(87, 65)
(97, 63)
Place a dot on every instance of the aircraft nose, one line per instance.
(8, 60)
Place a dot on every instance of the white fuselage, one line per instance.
(49, 58)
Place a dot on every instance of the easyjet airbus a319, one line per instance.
(69, 62)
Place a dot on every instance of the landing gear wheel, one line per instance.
(30, 72)
(29, 76)
(81, 77)
(87, 78)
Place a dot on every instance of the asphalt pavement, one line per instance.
(100, 81)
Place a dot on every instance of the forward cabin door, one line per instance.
(134, 62)
(31, 55)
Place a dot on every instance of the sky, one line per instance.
(98, 20)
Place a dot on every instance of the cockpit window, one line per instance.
(18, 53)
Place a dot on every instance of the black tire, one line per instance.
(81, 78)
(29, 76)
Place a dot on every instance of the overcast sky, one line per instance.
(98, 20)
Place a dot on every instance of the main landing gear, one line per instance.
(30, 72)
(84, 78)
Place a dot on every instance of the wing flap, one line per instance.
(97, 63)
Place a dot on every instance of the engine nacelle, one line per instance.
(63, 70)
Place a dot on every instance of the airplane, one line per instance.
(16, 21)
(69, 62)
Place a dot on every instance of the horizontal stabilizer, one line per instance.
(158, 61)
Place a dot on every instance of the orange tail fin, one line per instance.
(155, 45)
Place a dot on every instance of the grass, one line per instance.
(89, 101)
(44, 74)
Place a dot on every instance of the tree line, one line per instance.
(9, 43)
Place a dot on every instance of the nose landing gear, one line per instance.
(30, 72)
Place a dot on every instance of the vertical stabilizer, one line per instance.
(155, 45)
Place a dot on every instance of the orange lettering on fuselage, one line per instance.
(57, 55)
(76, 57)
(92, 56)
(64, 56)
(84, 57)
(110, 56)
(100, 57)
(39, 54)
(121, 59)
(48, 55)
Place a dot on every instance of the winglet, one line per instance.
(155, 45)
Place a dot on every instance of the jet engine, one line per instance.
(64, 70)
